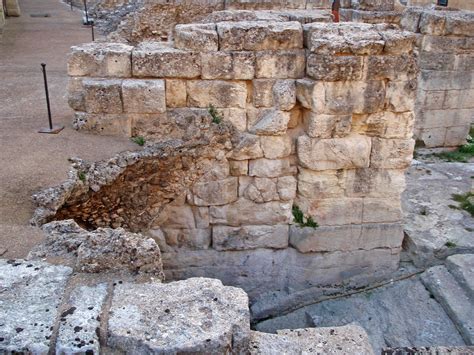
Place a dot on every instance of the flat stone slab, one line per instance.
(30, 294)
(456, 302)
(349, 339)
(461, 266)
(434, 227)
(80, 321)
(197, 315)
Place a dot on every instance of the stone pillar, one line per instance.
(13, 8)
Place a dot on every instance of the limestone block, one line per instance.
(236, 116)
(432, 137)
(458, 99)
(377, 183)
(103, 96)
(262, 92)
(398, 42)
(295, 117)
(270, 167)
(270, 122)
(385, 124)
(196, 37)
(400, 95)
(446, 80)
(246, 212)
(381, 210)
(100, 59)
(175, 93)
(310, 94)
(391, 153)
(444, 118)
(228, 65)
(459, 24)
(75, 90)
(195, 239)
(464, 61)
(176, 217)
(219, 315)
(276, 146)
(326, 126)
(247, 147)
(448, 44)
(215, 193)
(437, 61)
(456, 136)
(143, 96)
(202, 93)
(334, 68)
(380, 5)
(349, 152)
(105, 124)
(280, 64)
(321, 184)
(156, 60)
(333, 211)
(254, 35)
(432, 23)
(393, 67)
(249, 237)
(201, 216)
(284, 94)
(286, 187)
(261, 190)
(239, 167)
(411, 19)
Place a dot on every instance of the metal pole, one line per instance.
(47, 95)
(85, 9)
(70, 1)
(92, 28)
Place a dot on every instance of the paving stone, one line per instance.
(461, 266)
(80, 321)
(197, 315)
(30, 294)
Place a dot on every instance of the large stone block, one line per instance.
(446, 80)
(391, 153)
(104, 124)
(270, 167)
(400, 95)
(228, 65)
(202, 93)
(310, 94)
(319, 125)
(377, 183)
(254, 35)
(194, 239)
(176, 217)
(337, 153)
(268, 122)
(376, 5)
(196, 37)
(159, 61)
(215, 193)
(378, 210)
(446, 44)
(101, 60)
(398, 42)
(261, 190)
(247, 147)
(334, 68)
(275, 147)
(444, 118)
(456, 136)
(239, 167)
(321, 184)
(280, 64)
(144, 96)
(385, 124)
(280, 94)
(249, 237)
(175, 93)
(75, 94)
(103, 96)
(333, 211)
(246, 212)
(393, 67)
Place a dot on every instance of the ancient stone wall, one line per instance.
(371, 11)
(445, 95)
(324, 114)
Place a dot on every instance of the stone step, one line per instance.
(455, 301)
(461, 266)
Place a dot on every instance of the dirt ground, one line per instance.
(30, 161)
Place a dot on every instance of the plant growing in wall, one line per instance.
(216, 116)
(139, 140)
(303, 221)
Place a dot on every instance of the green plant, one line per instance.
(82, 176)
(139, 140)
(463, 154)
(299, 218)
(216, 116)
(450, 244)
(465, 201)
(423, 211)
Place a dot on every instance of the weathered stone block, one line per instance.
(391, 153)
(270, 167)
(105, 124)
(456, 136)
(333, 211)
(239, 167)
(202, 93)
(276, 146)
(377, 5)
(176, 217)
(446, 44)
(269, 122)
(385, 124)
(432, 137)
(378, 210)
(393, 67)
(262, 92)
(286, 187)
(159, 61)
(334, 68)
(195, 239)
(215, 193)
(249, 237)
(280, 64)
(143, 96)
(196, 37)
(228, 65)
(310, 94)
(175, 93)
(100, 59)
(247, 147)
(284, 94)
(236, 116)
(75, 90)
(446, 80)
(337, 153)
(261, 190)
(326, 126)
(103, 96)
(321, 184)
(374, 182)
(398, 42)
(245, 212)
(254, 35)
(444, 118)
(400, 95)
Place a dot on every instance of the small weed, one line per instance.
(453, 207)
(82, 176)
(139, 140)
(450, 244)
(300, 219)
(423, 211)
(463, 153)
(216, 116)
(469, 229)
(465, 202)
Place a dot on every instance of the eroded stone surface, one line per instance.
(196, 315)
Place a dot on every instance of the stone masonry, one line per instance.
(323, 115)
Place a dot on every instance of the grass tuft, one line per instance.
(139, 140)
(465, 201)
(82, 176)
(463, 154)
(216, 116)
(300, 219)
(450, 244)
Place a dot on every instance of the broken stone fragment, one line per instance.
(197, 315)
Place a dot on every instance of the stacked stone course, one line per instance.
(325, 117)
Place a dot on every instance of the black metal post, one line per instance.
(92, 29)
(87, 14)
(70, 1)
(43, 65)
